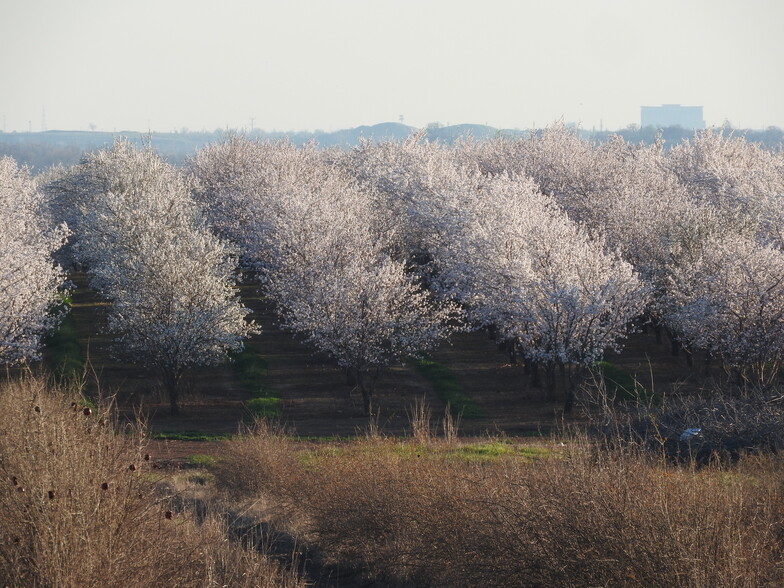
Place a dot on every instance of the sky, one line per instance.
(166, 65)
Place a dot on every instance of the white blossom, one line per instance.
(730, 302)
(148, 249)
(30, 281)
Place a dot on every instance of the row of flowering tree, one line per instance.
(554, 242)
(148, 250)
(701, 223)
(508, 254)
(381, 252)
(377, 254)
(313, 237)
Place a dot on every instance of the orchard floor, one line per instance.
(315, 401)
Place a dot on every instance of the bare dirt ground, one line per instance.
(317, 402)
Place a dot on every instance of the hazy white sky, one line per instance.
(331, 64)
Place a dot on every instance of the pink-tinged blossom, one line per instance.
(520, 264)
(741, 181)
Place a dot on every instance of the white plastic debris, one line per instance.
(690, 433)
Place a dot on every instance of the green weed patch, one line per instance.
(449, 390)
(482, 452)
(250, 368)
(495, 450)
(201, 460)
(63, 353)
(264, 407)
(621, 385)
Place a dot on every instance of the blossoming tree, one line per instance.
(30, 281)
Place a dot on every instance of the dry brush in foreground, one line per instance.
(81, 505)
(415, 514)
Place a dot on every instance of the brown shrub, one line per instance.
(85, 517)
(581, 517)
(719, 422)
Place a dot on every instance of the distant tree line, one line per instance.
(769, 138)
(39, 151)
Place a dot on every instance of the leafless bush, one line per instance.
(420, 416)
(423, 431)
(581, 517)
(719, 424)
(622, 518)
(81, 506)
(450, 424)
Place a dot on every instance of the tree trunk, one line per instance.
(549, 377)
(569, 376)
(367, 392)
(536, 377)
(171, 381)
(491, 333)
(351, 376)
(568, 400)
(513, 352)
(367, 401)
(657, 330)
(737, 378)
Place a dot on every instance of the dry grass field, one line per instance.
(88, 502)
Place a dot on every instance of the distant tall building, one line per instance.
(672, 115)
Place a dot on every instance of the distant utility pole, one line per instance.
(29, 127)
(252, 120)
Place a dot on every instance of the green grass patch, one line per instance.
(190, 436)
(63, 352)
(495, 450)
(264, 407)
(201, 460)
(482, 452)
(449, 390)
(250, 368)
(621, 385)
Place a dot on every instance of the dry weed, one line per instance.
(581, 517)
(80, 505)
